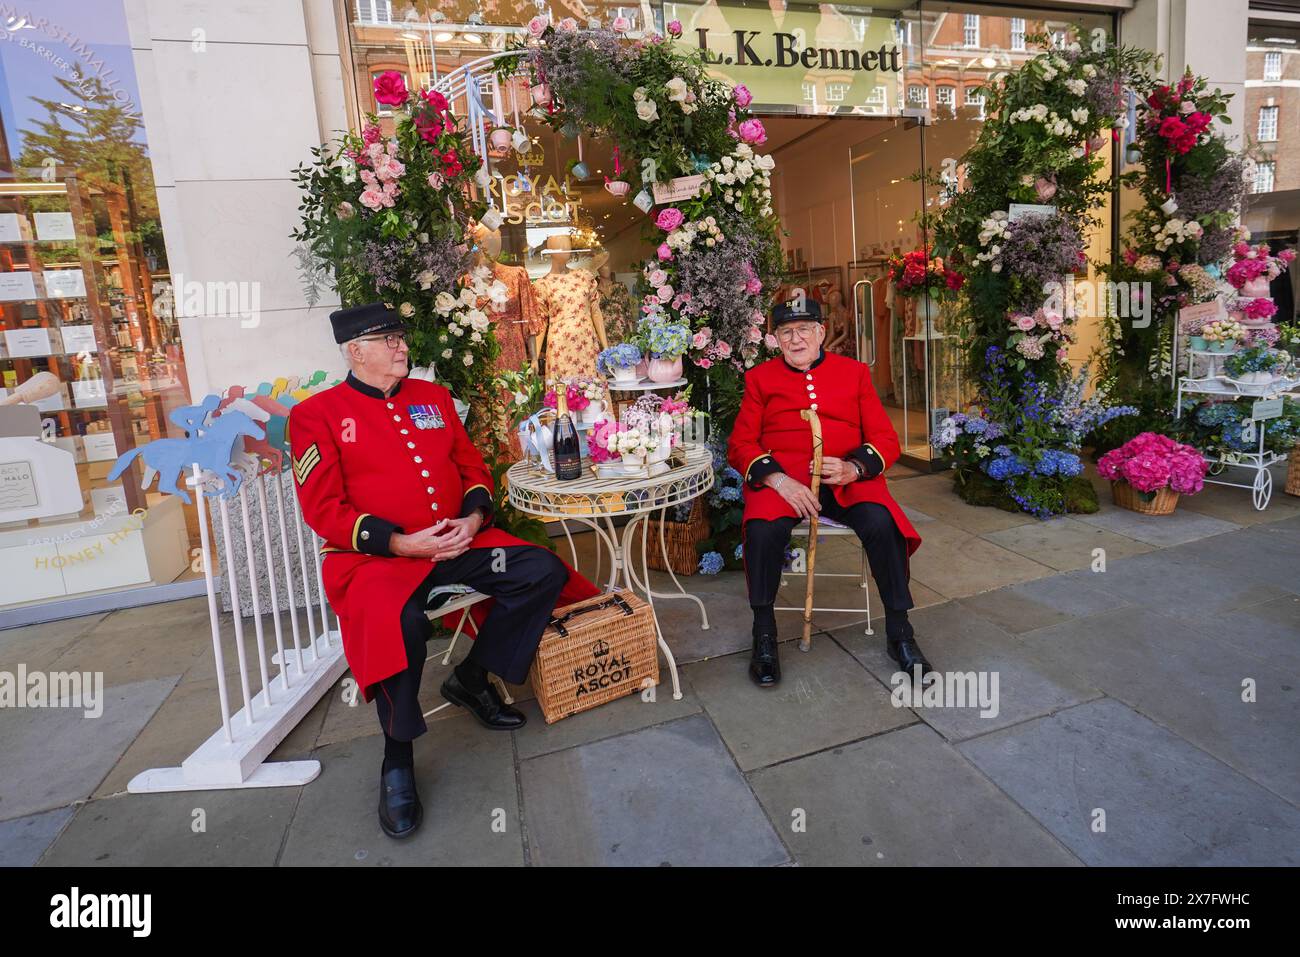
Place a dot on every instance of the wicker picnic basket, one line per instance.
(1293, 473)
(594, 651)
(1126, 496)
(680, 539)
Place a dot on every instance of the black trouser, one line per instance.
(524, 580)
(766, 541)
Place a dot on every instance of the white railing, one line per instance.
(235, 755)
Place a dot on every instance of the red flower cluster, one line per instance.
(916, 270)
(1181, 133)
(430, 116)
(1175, 116)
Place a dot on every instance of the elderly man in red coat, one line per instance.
(771, 446)
(387, 475)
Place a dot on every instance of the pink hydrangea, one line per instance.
(1151, 461)
(1262, 308)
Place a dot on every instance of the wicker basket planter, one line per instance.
(594, 651)
(1293, 473)
(680, 539)
(1162, 502)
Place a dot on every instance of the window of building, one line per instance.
(1264, 177)
(975, 99)
(375, 11)
(1267, 124)
(918, 95)
(878, 101)
(810, 92)
(945, 96)
(971, 29)
(1273, 65)
(1017, 33)
(835, 92)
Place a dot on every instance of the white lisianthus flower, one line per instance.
(1089, 70)
(446, 353)
(1080, 115)
(1076, 86)
(467, 297)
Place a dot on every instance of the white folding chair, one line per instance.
(826, 528)
(459, 598)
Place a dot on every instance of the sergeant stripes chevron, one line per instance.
(302, 467)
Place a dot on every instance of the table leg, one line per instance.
(663, 550)
(629, 530)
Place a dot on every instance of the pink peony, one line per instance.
(1262, 308)
(437, 180)
(742, 96)
(669, 219)
(390, 88)
(621, 25)
(674, 28)
(1025, 322)
(752, 132)
(664, 253)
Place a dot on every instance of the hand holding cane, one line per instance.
(805, 643)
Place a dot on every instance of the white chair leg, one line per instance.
(505, 692)
(446, 658)
(866, 592)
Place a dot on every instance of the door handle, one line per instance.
(871, 314)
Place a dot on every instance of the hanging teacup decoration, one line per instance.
(643, 201)
(616, 186)
(580, 169)
(1169, 206)
(492, 220)
(518, 138)
(500, 139)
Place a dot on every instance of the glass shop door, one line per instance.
(913, 360)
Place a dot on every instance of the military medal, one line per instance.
(426, 416)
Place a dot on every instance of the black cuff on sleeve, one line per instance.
(477, 498)
(761, 469)
(870, 460)
(374, 534)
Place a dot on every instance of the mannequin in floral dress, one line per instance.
(518, 323)
(569, 301)
(615, 303)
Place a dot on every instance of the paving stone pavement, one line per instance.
(1148, 690)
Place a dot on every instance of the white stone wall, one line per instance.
(229, 112)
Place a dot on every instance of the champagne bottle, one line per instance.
(568, 455)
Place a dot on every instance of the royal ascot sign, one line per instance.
(819, 58)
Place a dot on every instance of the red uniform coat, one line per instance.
(364, 468)
(771, 435)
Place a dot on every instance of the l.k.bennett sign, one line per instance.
(778, 49)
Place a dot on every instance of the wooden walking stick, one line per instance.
(805, 643)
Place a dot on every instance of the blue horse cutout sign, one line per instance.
(208, 446)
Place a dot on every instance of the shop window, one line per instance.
(1017, 33)
(1267, 124)
(1265, 174)
(971, 29)
(1273, 65)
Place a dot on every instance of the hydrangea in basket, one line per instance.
(1149, 471)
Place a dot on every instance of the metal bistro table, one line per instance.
(596, 502)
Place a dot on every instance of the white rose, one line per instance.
(676, 89)
(647, 110)
(445, 302)
(406, 310)
(425, 279)
(468, 360)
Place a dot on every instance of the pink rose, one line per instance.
(621, 25)
(1053, 320)
(665, 293)
(390, 88)
(742, 96)
(669, 219)
(658, 277)
(703, 363)
(664, 253)
(675, 28)
(568, 24)
(437, 180)
(344, 210)
(724, 350)
(701, 339)
(372, 199)
(754, 286)
(537, 26)
(1025, 323)
(752, 132)
(755, 334)
(769, 340)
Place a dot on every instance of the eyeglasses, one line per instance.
(393, 340)
(804, 330)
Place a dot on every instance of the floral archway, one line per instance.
(389, 219)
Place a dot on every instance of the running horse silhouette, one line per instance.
(211, 450)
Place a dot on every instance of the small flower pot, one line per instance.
(665, 370)
(626, 375)
(636, 460)
(1198, 343)
(593, 412)
(642, 369)
(1256, 288)
(1160, 502)
(1222, 347)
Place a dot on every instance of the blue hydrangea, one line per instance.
(740, 550)
(710, 563)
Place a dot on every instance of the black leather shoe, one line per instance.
(908, 654)
(400, 810)
(765, 662)
(487, 705)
